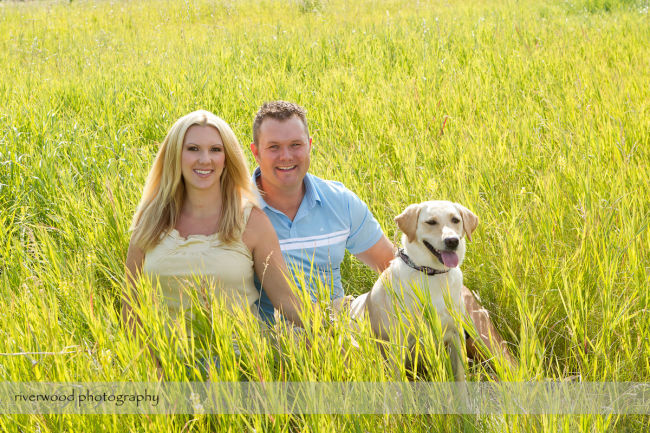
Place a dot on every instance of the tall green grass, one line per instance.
(534, 115)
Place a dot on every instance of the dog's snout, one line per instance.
(451, 243)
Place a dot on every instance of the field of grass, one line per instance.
(534, 114)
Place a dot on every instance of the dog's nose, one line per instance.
(451, 243)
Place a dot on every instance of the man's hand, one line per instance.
(341, 304)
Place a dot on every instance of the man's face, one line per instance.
(282, 153)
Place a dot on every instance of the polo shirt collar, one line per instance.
(311, 192)
(312, 195)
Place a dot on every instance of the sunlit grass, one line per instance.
(534, 115)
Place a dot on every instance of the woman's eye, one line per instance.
(216, 149)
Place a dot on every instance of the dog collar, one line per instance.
(426, 269)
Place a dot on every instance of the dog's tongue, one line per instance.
(449, 258)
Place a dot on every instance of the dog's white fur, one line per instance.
(393, 294)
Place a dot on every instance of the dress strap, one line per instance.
(248, 207)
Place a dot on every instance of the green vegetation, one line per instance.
(535, 115)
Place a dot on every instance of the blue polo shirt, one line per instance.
(330, 219)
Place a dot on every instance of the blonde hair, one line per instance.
(164, 190)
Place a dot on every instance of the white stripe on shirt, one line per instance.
(314, 243)
(345, 233)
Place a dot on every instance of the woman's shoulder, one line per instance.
(256, 217)
(258, 227)
(258, 224)
(247, 209)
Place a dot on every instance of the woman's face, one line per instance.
(202, 158)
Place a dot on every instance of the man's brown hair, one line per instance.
(278, 110)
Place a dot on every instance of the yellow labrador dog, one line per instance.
(434, 248)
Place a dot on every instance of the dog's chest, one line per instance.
(439, 290)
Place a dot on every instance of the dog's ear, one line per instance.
(470, 221)
(407, 221)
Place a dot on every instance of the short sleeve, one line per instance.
(364, 228)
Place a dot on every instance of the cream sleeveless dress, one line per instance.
(205, 264)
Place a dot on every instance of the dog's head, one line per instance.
(435, 231)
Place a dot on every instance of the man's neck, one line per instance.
(286, 201)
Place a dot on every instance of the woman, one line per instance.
(197, 218)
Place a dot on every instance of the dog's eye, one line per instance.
(455, 220)
(432, 222)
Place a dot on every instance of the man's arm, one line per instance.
(379, 255)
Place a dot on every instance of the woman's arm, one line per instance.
(134, 261)
(270, 268)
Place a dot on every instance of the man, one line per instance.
(317, 220)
